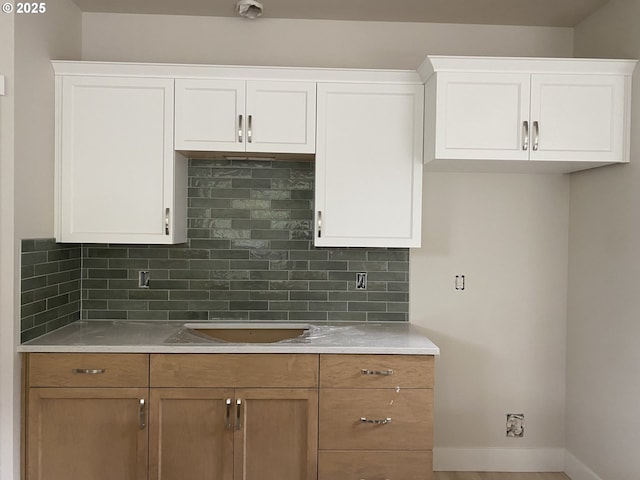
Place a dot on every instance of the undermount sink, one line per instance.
(249, 333)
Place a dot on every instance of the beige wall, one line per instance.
(182, 39)
(27, 43)
(9, 398)
(503, 339)
(38, 39)
(603, 388)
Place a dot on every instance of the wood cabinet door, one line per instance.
(87, 433)
(481, 116)
(276, 434)
(115, 160)
(578, 118)
(368, 165)
(191, 434)
(281, 117)
(210, 115)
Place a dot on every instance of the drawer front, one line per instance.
(396, 465)
(88, 370)
(410, 412)
(234, 370)
(376, 371)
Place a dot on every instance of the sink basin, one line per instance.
(249, 333)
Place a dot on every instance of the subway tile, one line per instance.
(386, 317)
(367, 306)
(261, 316)
(248, 305)
(249, 255)
(328, 306)
(268, 275)
(347, 316)
(289, 306)
(268, 295)
(306, 295)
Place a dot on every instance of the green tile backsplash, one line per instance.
(249, 256)
(50, 286)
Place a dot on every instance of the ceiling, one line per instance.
(557, 13)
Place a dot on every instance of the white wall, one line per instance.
(9, 399)
(603, 387)
(318, 43)
(26, 178)
(503, 340)
(38, 39)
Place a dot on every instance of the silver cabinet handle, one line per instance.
(376, 372)
(525, 135)
(382, 421)
(319, 224)
(536, 135)
(167, 211)
(227, 418)
(240, 134)
(249, 132)
(238, 414)
(89, 371)
(142, 415)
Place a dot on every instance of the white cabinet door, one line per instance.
(369, 165)
(577, 117)
(210, 115)
(116, 177)
(239, 116)
(480, 116)
(281, 117)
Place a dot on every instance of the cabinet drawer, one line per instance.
(88, 370)
(237, 370)
(376, 371)
(396, 465)
(410, 426)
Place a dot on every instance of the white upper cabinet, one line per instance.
(368, 190)
(245, 116)
(525, 114)
(117, 180)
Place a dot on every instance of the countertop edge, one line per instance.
(302, 349)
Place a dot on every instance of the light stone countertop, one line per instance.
(101, 336)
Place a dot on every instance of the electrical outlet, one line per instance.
(143, 279)
(361, 281)
(515, 425)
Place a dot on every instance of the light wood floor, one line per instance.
(498, 476)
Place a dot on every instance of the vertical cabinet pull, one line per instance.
(525, 135)
(240, 134)
(536, 135)
(166, 221)
(238, 414)
(227, 417)
(141, 414)
(319, 224)
(249, 129)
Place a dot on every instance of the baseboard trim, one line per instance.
(576, 470)
(499, 459)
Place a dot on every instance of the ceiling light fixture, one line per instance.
(249, 8)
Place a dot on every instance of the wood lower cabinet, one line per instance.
(77, 432)
(262, 426)
(189, 434)
(375, 417)
(228, 417)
